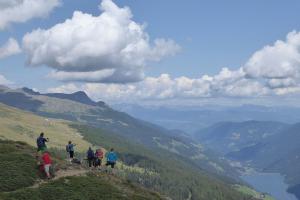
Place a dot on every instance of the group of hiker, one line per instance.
(94, 159)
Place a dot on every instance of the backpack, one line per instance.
(101, 154)
(67, 148)
(40, 141)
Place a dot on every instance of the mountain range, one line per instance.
(190, 119)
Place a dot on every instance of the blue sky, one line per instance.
(215, 34)
(211, 35)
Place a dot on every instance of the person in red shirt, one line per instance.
(98, 158)
(47, 163)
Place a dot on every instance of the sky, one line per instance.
(162, 52)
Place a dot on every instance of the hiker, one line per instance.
(70, 150)
(98, 158)
(47, 163)
(41, 142)
(111, 158)
(90, 156)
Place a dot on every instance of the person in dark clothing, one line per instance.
(70, 148)
(90, 156)
(41, 142)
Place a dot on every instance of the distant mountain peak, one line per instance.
(30, 91)
(79, 96)
(82, 97)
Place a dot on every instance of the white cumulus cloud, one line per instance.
(225, 84)
(277, 65)
(11, 47)
(110, 47)
(281, 60)
(17, 11)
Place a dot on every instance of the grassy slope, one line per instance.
(24, 126)
(15, 180)
(18, 166)
(89, 188)
(19, 125)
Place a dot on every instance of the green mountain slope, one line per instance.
(16, 181)
(13, 155)
(279, 153)
(226, 137)
(19, 172)
(163, 171)
(71, 188)
(160, 170)
(24, 126)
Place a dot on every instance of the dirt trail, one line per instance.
(62, 173)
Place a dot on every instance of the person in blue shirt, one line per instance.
(70, 148)
(41, 142)
(111, 158)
